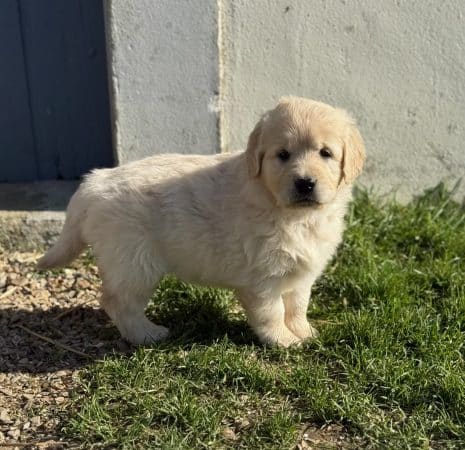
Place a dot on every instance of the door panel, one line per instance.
(63, 44)
(17, 153)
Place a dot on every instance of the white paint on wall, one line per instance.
(163, 59)
(397, 65)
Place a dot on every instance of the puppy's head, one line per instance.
(304, 151)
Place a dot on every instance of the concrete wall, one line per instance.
(397, 65)
(163, 58)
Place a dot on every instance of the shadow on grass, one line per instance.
(197, 315)
(70, 338)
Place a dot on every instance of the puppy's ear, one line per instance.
(254, 153)
(354, 155)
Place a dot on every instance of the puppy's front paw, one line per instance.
(278, 336)
(303, 330)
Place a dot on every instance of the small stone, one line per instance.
(5, 419)
(82, 284)
(2, 437)
(228, 433)
(57, 386)
(59, 400)
(23, 361)
(241, 423)
(13, 433)
(51, 424)
(35, 421)
(27, 425)
(6, 392)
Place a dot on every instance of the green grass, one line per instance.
(388, 366)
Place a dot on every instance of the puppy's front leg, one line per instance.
(266, 317)
(296, 304)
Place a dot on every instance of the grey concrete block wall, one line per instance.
(164, 68)
(398, 66)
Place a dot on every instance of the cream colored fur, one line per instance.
(225, 220)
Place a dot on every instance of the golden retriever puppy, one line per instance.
(263, 222)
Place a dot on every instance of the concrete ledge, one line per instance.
(32, 215)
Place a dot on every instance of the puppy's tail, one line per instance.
(70, 243)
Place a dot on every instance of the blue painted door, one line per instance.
(54, 106)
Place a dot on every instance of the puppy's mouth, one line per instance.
(306, 202)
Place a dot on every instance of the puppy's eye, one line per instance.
(325, 152)
(284, 155)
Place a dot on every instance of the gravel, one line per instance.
(50, 328)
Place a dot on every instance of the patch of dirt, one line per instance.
(329, 436)
(50, 327)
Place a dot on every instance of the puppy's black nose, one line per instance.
(304, 186)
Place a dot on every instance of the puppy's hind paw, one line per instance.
(146, 333)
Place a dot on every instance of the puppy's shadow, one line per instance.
(70, 338)
(40, 341)
(204, 322)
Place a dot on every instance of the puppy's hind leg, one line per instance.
(125, 296)
(126, 310)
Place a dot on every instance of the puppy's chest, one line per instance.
(293, 253)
